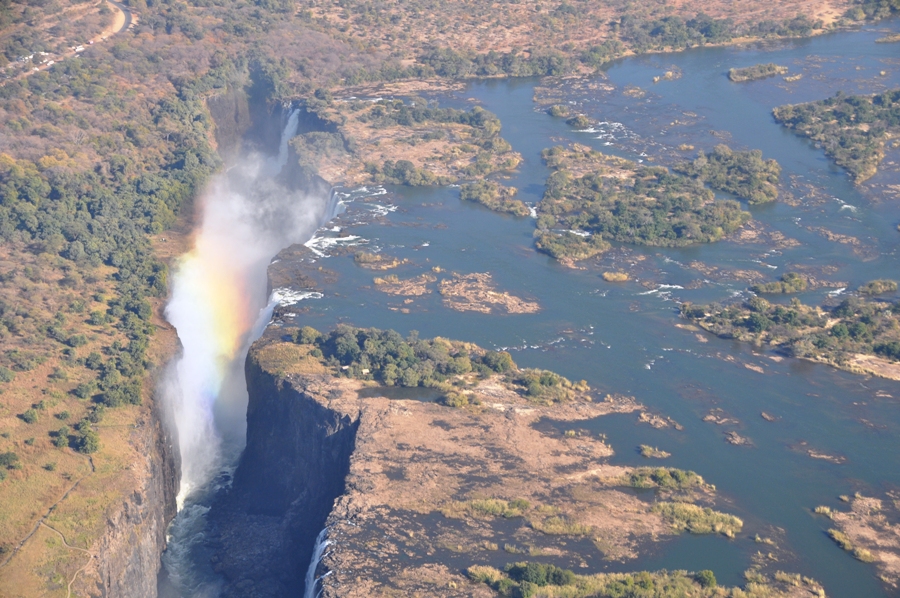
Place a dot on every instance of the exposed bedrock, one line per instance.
(297, 457)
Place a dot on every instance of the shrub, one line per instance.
(706, 578)
(494, 196)
(540, 574)
(455, 399)
(663, 478)
(87, 442)
(877, 287)
(758, 71)
(9, 460)
(580, 122)
(745, 174)
(698, 520)
(30, 416)
(790, 282)
(61, 437)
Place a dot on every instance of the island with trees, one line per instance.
(592, 198)
(743, 173)
(859, 335)
(756, 72)
(851, 129)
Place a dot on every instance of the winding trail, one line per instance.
(67, 545)
(43, 518)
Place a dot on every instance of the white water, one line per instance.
(219, 307)
(322, 543)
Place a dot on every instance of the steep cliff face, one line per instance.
(297, 457)
(126, 558)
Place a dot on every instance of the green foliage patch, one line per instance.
(877, 287)
(856, 326)
(745, 174)
(695, 519)
(852, 130)
(526, 579)
(755, 72)
(790, 282)
(663, 478)
(494, 196)
(619, 200)
(386, 357)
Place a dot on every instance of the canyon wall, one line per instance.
(294, 467)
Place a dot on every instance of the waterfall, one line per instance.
(219, 308)
(322, 543)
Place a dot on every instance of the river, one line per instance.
(622, 337)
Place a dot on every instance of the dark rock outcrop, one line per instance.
(297, 457)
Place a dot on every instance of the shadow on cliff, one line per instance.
(294, 467)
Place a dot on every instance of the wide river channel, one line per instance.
(622, 337)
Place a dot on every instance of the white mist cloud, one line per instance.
(219, 305)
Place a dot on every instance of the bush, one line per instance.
(88, 441)
(663, 478)
(9, 460)
(706, 578)
(579, 122)
(540, 574)
(698, 520)
(30, 416)
(759, 71)
(790, 282)
(61, 437)
(494, 196)
(579, 215)
(834, 124)
(891, 350)
(390, 359)
(877, 287)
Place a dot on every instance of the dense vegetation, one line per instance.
(619, 200)
(744, 174)
(851, 129)
(386, 357)
(836, 336)
(877, 287)
(525, 579)
(873, 9)
(663, 478)
(755, 72)
(495, 197)
(675, 33)
(683, 516)
(790, 282)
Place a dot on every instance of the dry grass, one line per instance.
(288, 358)
(616, 276)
